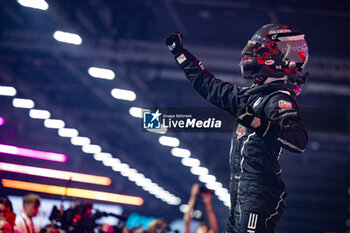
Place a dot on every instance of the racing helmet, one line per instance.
(275, 51)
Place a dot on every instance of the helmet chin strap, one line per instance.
(259, 81)
(270, 79)
(296, 86)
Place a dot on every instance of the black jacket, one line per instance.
(274, 101)
(257, 192)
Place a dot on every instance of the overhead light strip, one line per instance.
(35, 154)
(72, 192)
(55, 174)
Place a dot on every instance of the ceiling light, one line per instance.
(102, 156)
(128, 172)
(136, 177)
(190, 162)
(213, 185)
(175, 201)
(120, 167)
(153, 186)
(101, 73)
(180, 152)
(169, 141)
(199, 171)
(111, 162)
(123, 94)
(36, 4)
(80, 141)
(137, 112)
(224, 198)
(67, 37)
(144, 182)
(22, 103)
(39, 114)
(54, 123)
(67, 132)
(7, 91)
(207, 178)
(91, 149)
(221, 191)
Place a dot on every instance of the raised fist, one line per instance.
(174, 43)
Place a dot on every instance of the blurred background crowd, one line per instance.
(82, 217)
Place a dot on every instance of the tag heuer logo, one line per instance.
(284, 104)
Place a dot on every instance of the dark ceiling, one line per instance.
(128, 37)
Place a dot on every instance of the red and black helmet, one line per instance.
(274, 51)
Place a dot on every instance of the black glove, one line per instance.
(262, 126)
(174, 43)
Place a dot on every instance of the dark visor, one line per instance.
(254, 48)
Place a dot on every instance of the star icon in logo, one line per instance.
(156, 115)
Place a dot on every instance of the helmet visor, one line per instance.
(294, 48)
(254, 48)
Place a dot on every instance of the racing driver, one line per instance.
(267, 120)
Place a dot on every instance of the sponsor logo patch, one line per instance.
(180, 59)
(241, 130)
(256, 122)
(269, 62)
(253, 219)
(284, 104)
(279, 31)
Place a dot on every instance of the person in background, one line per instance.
(6, 210)
(105, 228)
(31, 204)
(158, 226)
(49, 228)
(206, 196)
(5, 226)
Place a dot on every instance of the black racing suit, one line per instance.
(256, 189)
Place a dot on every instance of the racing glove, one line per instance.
(262, 126)
(175, 44)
